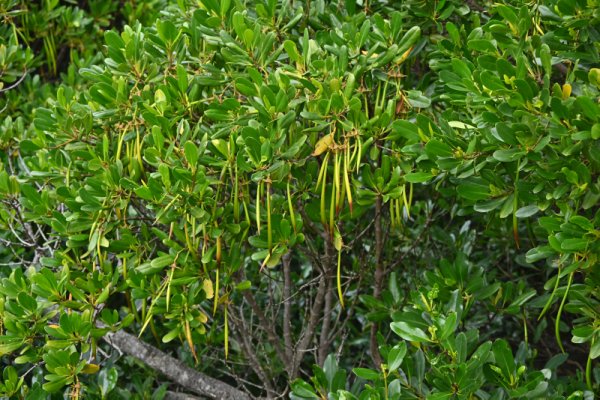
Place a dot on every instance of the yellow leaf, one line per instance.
(566, 91)
(404, 56)
(323, 144)
(207, 286)
(90, 369)
(202, 318)
(338, 242)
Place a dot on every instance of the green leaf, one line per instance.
(191, 153)
(107, 380)
(418, 177)
(595, 349)
(435, 148)
(589, 108)
(330, 368)
(574, 244)
(473, 191)
(55, 384)
(9, 344)
(163, 261)
(504, 358)
(449, 326)
(303, 389)
(417, 99)
(522, 299)
(366, 373)
(482, 45)
(508, 155)
(527, 211)
(596, 131)
(396, 356)
(409, 39)
(404, 129)
(27, 302)
(489, 205)
(169, 336)
(408, 332)
(292, 51)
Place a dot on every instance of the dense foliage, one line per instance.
(278, 192)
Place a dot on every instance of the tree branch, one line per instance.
(175, 370)
(379, 274)
(314, 314)
(179, 396)
(287, 306)
(326, 325)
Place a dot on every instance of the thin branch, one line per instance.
(267, 326)
(415, 243)
(249, 351)
(14, 85)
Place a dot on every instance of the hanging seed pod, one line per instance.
(290, 206)
(188, 336)
(236, 195)
(323, 186)
(257, 206)
(336, 182)
(269, 228)
(216, 302)
(332, 204)
(338, 245)
(322, 170)
(347, 179)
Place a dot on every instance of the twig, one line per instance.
(17, 83)
(267, 326)
(248, 348)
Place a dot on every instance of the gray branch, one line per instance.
(175, 370)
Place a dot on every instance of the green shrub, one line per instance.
(250, 186)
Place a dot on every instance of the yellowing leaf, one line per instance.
(159, 97)
(404, 56)
(207, 286)
(566, 91)
(338, 242)
(323, 144)
(202, 318)
(90, 369)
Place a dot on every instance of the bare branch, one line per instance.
(248, 349)
(287, 305)
(379, 275)
(179, 396)
(175, 370)
(326, 325)
(314, 314)
(267, 326)
(14, 85)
